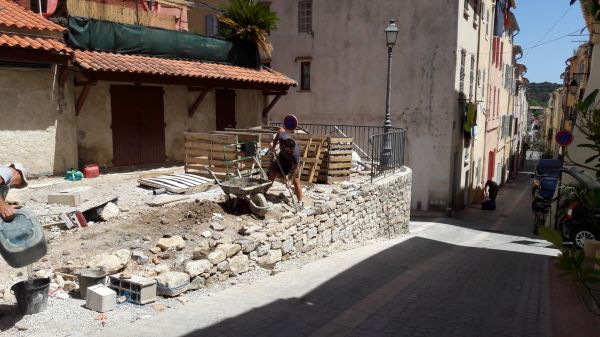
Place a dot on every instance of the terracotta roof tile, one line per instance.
(122, 63)
(26, 42)
(15, 16)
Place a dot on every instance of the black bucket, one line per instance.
(32, 296)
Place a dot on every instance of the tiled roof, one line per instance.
(26, 42)
(15, 16)
(137, 64)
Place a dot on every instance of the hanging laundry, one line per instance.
(470, 119)
(499, 18)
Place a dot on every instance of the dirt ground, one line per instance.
(138, 226)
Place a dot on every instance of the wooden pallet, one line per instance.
(208, 150)
(311, 148)
(178, 183)
(337, 162)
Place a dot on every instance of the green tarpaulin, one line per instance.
(98, 35)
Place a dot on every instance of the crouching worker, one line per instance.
(289, 160)
(12, 176)
(490, 191)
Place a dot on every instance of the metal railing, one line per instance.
(387, 152)
(368, 142)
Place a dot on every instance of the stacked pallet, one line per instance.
(323, 159)
(311, 155)
(214, 151)
(337, 160)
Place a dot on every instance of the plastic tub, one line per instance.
(22, 240)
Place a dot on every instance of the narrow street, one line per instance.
(479, 274)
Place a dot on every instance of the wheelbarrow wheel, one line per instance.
(258, 204)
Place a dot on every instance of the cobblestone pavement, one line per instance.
(479, 275)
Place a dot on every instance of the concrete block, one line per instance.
(100, 298)
(71, 197)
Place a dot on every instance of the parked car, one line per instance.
(582, 220)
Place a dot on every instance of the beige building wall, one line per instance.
(348, 54)
(38, 121)
(469, 32)
(95, 135)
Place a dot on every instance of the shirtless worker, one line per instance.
(289, 158)
(11, 176)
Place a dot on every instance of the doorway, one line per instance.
(225, 109)
(138, 126)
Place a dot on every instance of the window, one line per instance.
(501, 58)
(466, 9)
(304, 16)
(463, 56)
(305, 75)
(472, 77)
(211, 25)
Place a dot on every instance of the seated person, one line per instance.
(289, 159)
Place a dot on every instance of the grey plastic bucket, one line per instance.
(89, 277)
(32, 296)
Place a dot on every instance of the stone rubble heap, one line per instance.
(350, 213)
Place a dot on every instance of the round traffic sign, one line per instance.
(290, 122)
(564, 138)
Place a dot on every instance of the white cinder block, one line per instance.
(100, 298)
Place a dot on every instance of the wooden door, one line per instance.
(138, 126)
(225, 109)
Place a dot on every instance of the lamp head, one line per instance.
(391, 33)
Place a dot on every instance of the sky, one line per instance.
(542, 21)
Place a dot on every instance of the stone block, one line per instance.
(239, 264)
(230, 248)
(175, 242)
(72, 197)
(195, 268)
(172, 283)
(100, 298)
(217, 257)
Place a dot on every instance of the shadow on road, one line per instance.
(418, 287)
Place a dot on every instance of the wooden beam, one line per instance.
(199, 89)
(197, 102)
(83, 96)
(33, 56)
(62, 75)
(274, 93)
(180, 80)
(265, 113)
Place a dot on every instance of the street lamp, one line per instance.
(573, 86)
(391, 33)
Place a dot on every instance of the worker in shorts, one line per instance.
(289, 159)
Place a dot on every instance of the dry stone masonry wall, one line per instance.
(351, 213)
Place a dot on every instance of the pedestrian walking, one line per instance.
(11, 176)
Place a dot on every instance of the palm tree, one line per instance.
(248, 20)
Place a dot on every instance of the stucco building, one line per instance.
(337, 51)
(107, 103)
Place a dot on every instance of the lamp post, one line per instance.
(391, 33)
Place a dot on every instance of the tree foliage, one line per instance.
(248, 20)
(539, 93)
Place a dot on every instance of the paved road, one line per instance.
(482, 274)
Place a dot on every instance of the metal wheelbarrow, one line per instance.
(251, 189)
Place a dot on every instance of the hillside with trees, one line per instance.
(538, 93)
